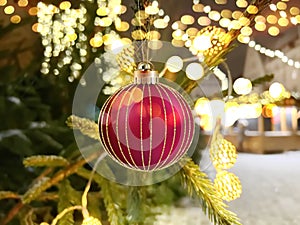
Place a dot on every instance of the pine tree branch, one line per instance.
(212, 204)
(8, 194)
(85, 126)
(31, 194)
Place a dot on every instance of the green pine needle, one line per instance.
(197, 183)
(45, 160)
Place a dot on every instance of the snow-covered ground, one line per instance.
(271, 192)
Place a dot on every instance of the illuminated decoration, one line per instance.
(282, 14)
(222, 153)
(276, 90)
(174, 64)
(194, 71)
(64, 35)
(61, 31)
(271, 53)
(153, 126)
(228, 185)
(147, 17)
(242, 86)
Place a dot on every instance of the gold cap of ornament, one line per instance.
(145, 74)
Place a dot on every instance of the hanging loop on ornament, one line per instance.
(145, 74)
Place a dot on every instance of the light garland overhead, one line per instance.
(274, 54)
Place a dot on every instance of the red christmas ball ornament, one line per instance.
(146, 125)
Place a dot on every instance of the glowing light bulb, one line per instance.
(242, 86)
(276, 90)
(174, 64)
(194, 71)
(202, 43)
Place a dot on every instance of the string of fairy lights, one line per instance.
(185, 31)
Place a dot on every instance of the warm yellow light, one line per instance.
(234, 24)
(272, 19)
(72, 36)
(298, 18)
(202, 42)
(124, 26)
(221, 2)
(33, 11)
(22, 3)
(153, 35)
(138, 35)
(141, 15)
(241, 3)
(214, 15)
(244, 21)
(177, 34)
(242, 86)
(237, 14)
(194, 71)
(243, 38)
(35, 27)
(177, 43)
(151, 10)
(102, 11)
(283, 22)
(174, 64)
(276, 90)
(226, 13)
(106, 21)
(96, 42)
(65, 5)
(15, 19)
(260, 18)
(204, 21)
(252, 9)
(198, 7)
(260, 26)
(192, 31)
(187, 20)
(123, 9)
(3, 2)
(202, 106)
(9, 10)
(273, 31)
(160, 23)
(294, 11)
(246, 31)
(224, 22)
(281, 5)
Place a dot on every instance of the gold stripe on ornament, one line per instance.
(126, 125)
(178, 154)
(109, 143)
(151, 128)
(141, 129)
(106, 127)
(117, 127)
(187, 109)
(174, 120)
(165, 138)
